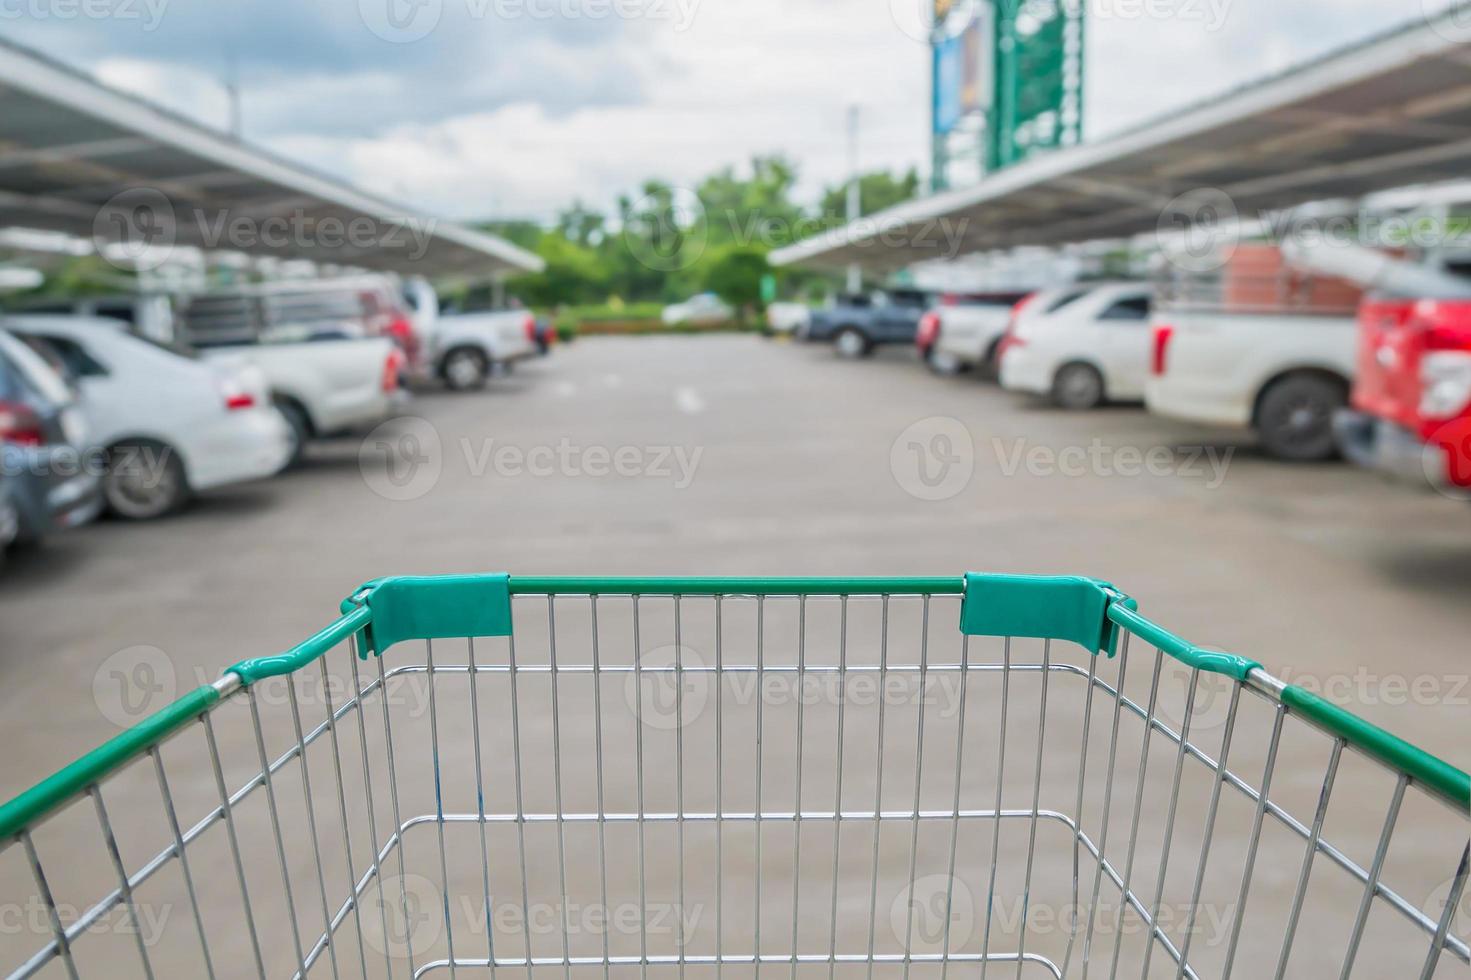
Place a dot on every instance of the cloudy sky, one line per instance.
(512, 108)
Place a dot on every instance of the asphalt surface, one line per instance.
(737, 455)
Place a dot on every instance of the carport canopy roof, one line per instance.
(87, 160)
(1392, 111)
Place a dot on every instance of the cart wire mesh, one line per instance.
(742, 777)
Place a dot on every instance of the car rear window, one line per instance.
(34, 370)
(1063, 300)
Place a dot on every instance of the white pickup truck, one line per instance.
(326, 387)
(464, 349)
(1283, 375)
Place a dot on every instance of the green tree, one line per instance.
(876, 191)
(734, 274)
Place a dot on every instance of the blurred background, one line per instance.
(1171, 293)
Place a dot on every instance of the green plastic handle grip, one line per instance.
(1435, 774)
(68, 783)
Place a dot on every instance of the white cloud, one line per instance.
(746, 77)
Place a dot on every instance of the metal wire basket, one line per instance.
(671, 777)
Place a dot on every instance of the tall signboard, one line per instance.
(1007, 81)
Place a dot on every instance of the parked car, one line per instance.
(337, 308)
(965, 331)
(855, 325)
(324, 388)
(703, 308)
(149, 315)
(1411, 402)
(1087, 351)
(1267, 344)
(465, 349)
(788, 318)
(45, 484)
(170, 424)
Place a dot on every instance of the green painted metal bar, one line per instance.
(67, 783)
(250, 671)
(704, 585)
(1210, 661)
(1435, 774)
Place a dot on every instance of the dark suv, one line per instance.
(45, 482)
(857, 324)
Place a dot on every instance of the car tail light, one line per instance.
(1163, 334)
(392, 371)
(929, 329)
(530, 327)
(401, 330)
(20, 424)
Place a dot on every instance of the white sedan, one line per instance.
(704, 308)
(1092, 349)
(170, 424)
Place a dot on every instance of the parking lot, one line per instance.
(744, 455)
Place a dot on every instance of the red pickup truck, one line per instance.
(1411, 401)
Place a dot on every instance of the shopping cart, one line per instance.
(672, 777)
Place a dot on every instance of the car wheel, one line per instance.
(464, 369)
(991, 365)
(144, 481)
(299, 426)
(1295, 417)
(851, 342)
(1078, 387)
(9, 527)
